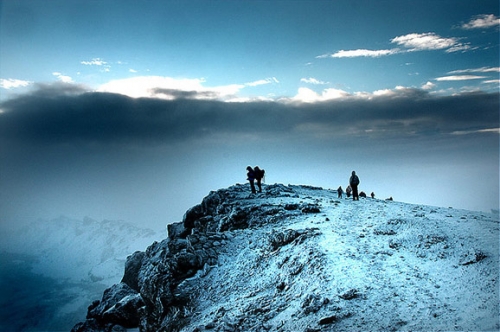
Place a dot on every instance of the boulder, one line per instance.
(192, 215)
(177, 230)
(132, 268)
(110, 298)
(126, 312)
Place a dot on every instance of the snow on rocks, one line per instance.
(297, 258)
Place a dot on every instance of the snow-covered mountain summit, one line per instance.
(298, 258)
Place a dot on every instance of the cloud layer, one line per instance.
(66, 113)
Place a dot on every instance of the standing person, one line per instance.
(340, 192)
(354, 182)
(259, 175)
(251, 178)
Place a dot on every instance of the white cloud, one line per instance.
(459, 78)
(132, 70)
(410, 43)
(312, 80)
(481, 131)
(145, 86)
(359, 53)
(94, 62)
(263, 82)
(63, 78)
(428, 41)
(491, 82)
(476, 70)
(171, 88)
(11, 83)
(482, 22)
(384, 92)
(306, 95)
(106, 67)
(428, 86)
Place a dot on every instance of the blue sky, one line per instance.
(135, 110)
(254, 49)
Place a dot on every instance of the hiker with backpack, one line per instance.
(251, 178)
(354, 182)
(340, 192)
(259, 175)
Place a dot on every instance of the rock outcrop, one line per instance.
(295, 258)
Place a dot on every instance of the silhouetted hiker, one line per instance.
(259, 175)
(340, 192)
(348, 191)
(373, 194)
(251, 178)
(354, 182)
(362, 194)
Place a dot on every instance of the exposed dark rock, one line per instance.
(279, 239)
(472, 256)
(291, 207)
(313, 303)
(192, 215)
(328, 320)
(187, 264)
(111, 297)
(350, 294)
(132, 268)
(91, 325)
(177, 230)
(126, 312)
(310, 208)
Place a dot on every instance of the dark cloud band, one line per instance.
(64, 113)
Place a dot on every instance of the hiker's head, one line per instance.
(353, 173)
(249, 168)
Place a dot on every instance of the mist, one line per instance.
(67, 151)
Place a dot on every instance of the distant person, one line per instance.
(251, 178)
(373, 194)
(354, 182)
(259, 175)
(340, 192)
(362, 194)
(348, 191)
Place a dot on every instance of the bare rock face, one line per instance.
(296, 258)
(118, 307)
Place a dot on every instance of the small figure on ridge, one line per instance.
(340, 192)
(354, 182)
(259, 175)
(251, 178)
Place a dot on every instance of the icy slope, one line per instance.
(297, 258)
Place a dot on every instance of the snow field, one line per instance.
(369, 264)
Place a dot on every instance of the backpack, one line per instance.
(260, 173)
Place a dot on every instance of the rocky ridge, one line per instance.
(297, 258)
